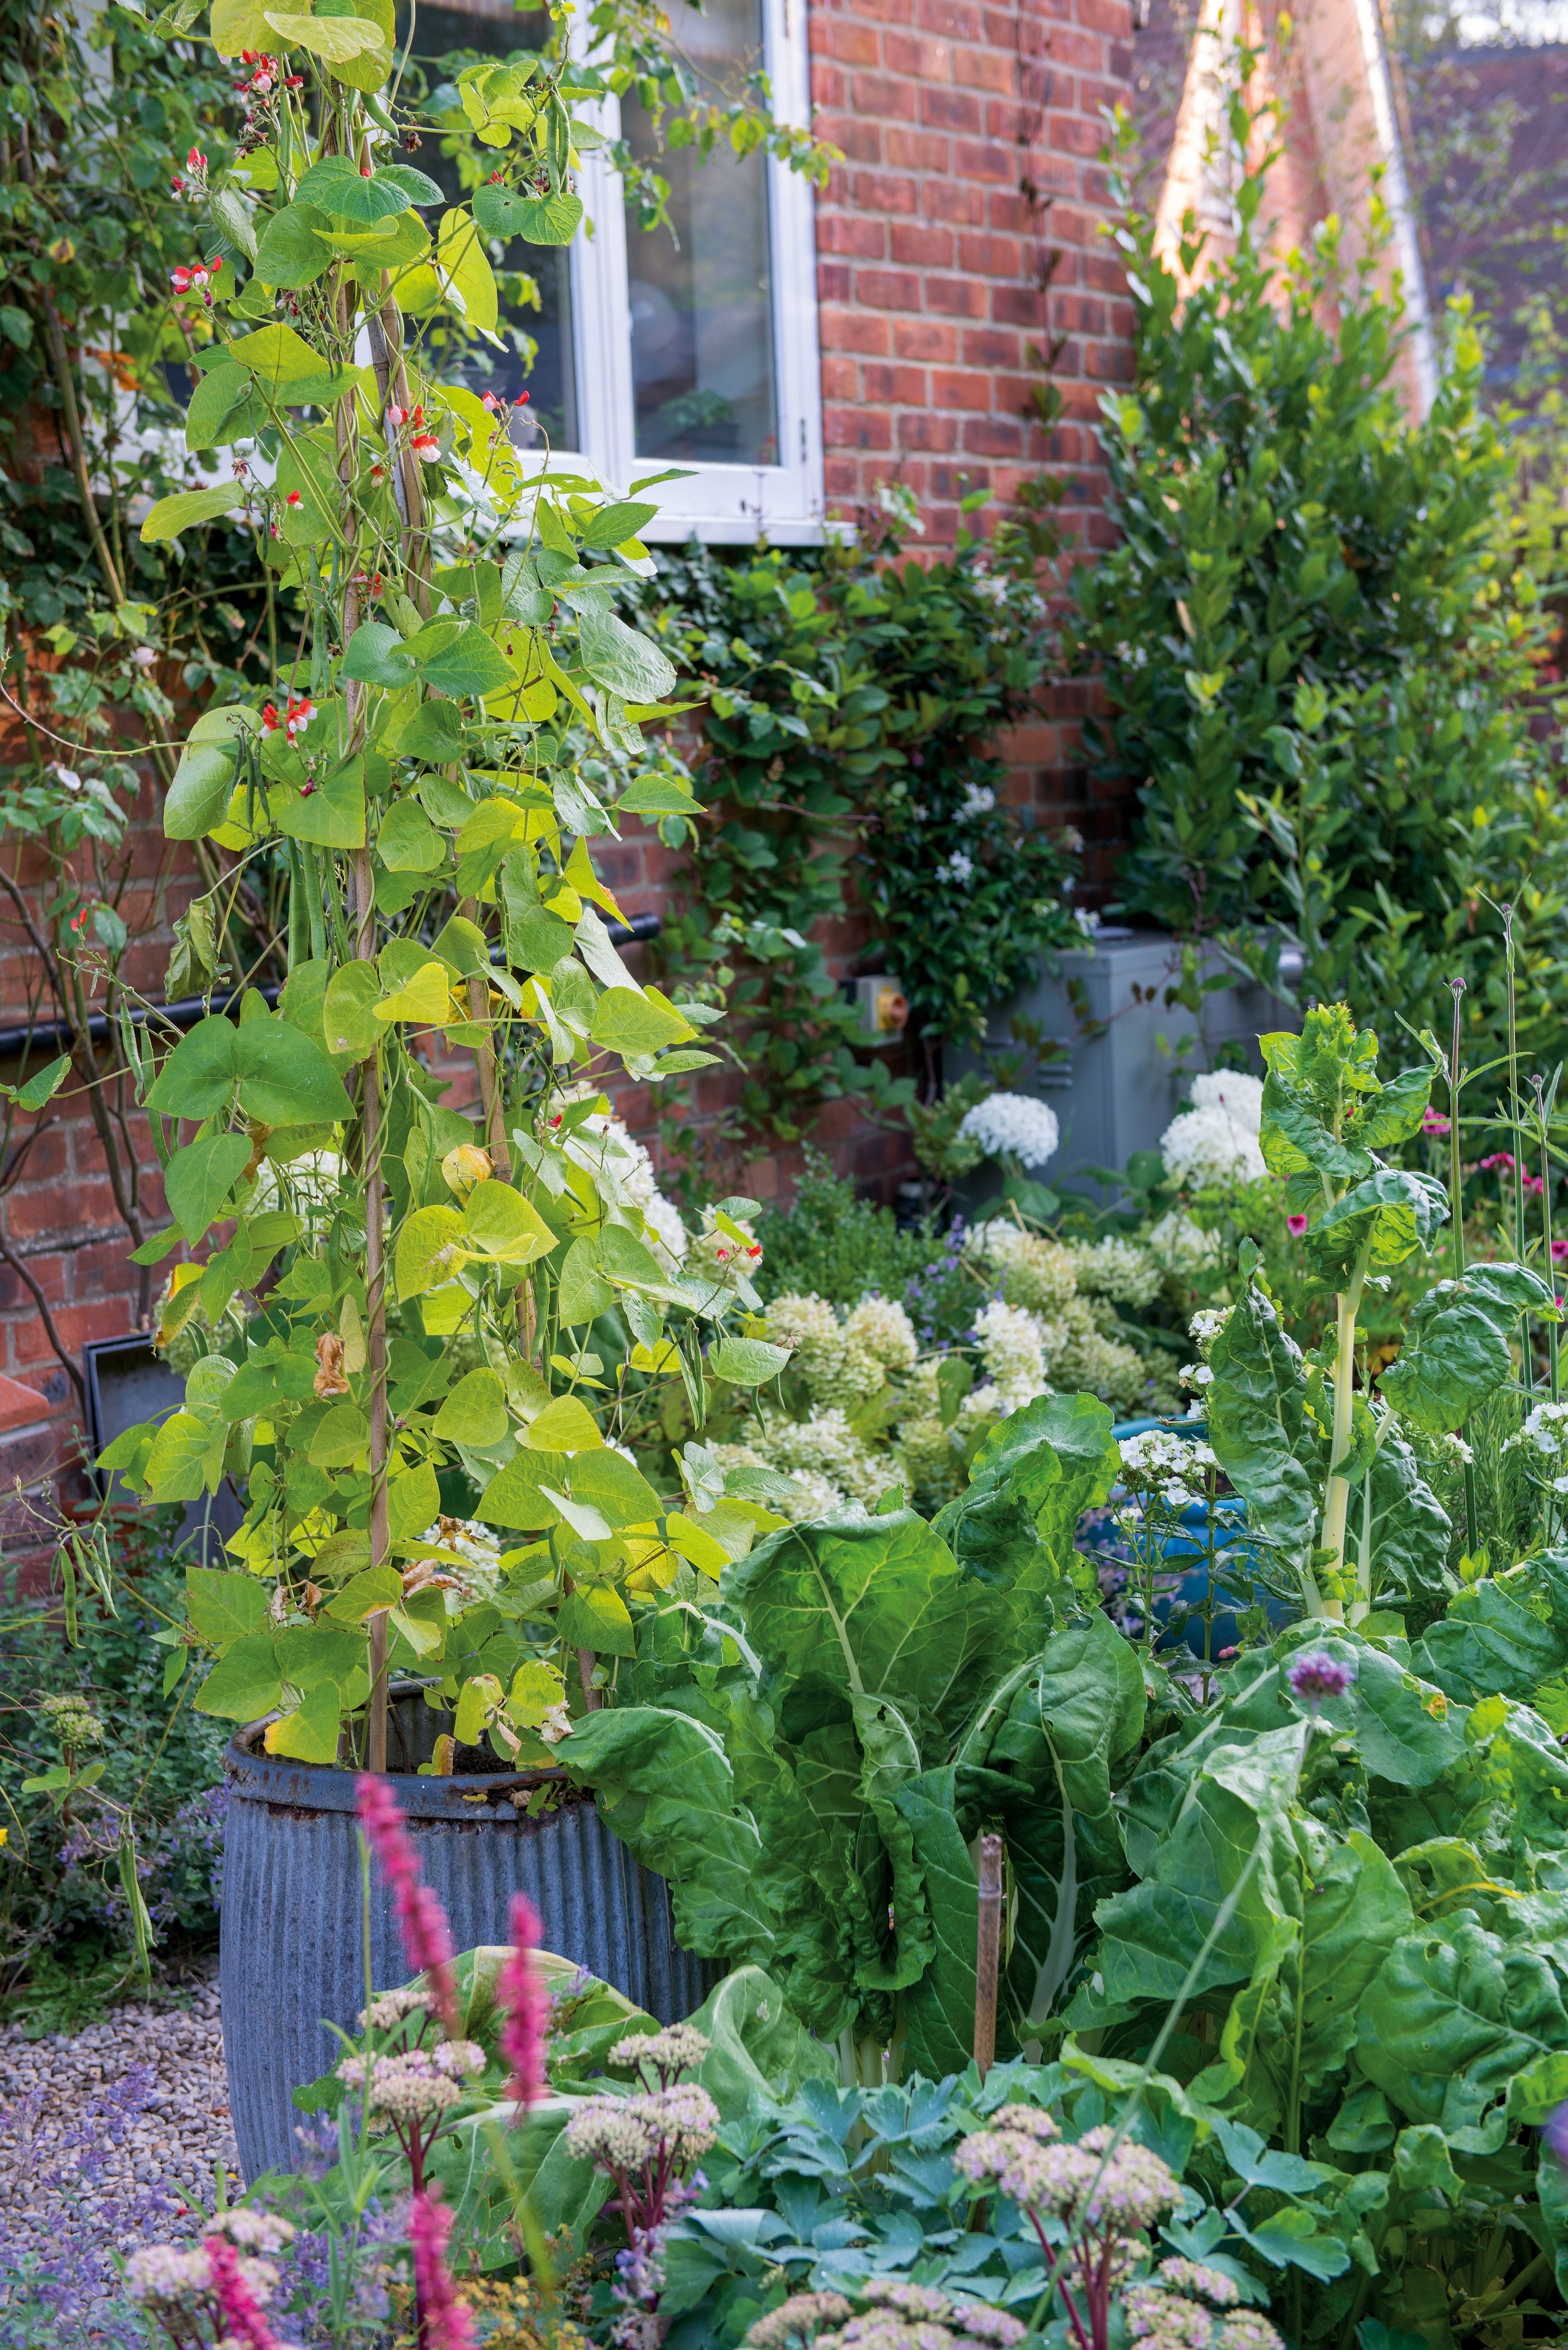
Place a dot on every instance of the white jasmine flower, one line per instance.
(1013, 1126)
(958, 867)
(1196, 1374)
(1089, 922)
(1206, 1325)
(979, 799)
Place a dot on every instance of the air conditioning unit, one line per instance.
(1118, 1076)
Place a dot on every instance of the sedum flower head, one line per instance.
(390, 2008)
(1135, 2189)
(674, 2050)
(797, 2321)
(414, 2084)
(1193, 2276)
(251, 2232)
(621, 2134)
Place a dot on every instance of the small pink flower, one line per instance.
(1296, 1224)
(1433, 1121)
(1559, 1252)
(1501, 1159)
(445, 2324)
(520, 1990)
(1534, 1184)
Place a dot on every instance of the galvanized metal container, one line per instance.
(292, 1957)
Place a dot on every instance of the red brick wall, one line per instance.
(965, 225)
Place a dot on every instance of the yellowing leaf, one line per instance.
(425, 999)
(463, 261)
(498, 1222)
(429, 1251)
(566, 1425)
(580, 873)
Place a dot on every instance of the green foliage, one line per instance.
(830, 1241)
(1381, 1995)
(67, 1935)
(1318, 647)
(814, 1805)
(852, 707)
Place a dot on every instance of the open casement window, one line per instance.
(650, 349)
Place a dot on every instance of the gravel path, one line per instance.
(104, 2136)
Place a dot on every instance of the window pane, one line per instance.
(701, 300)
(493, 28)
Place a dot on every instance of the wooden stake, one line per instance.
(988, 1952)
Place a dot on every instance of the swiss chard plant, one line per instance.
(810, 1764)
(396, 1287)
(1332, 1483)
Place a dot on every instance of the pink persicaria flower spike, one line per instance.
(521, 1989)
(241, 2312)
(445, 2324)
(421, 1921)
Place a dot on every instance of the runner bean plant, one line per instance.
(390, 1287)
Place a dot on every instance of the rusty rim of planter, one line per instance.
(279, 1779)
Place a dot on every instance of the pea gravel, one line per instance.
(109, 2137)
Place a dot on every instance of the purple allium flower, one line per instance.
(1555, 2132)
(1318, 1675)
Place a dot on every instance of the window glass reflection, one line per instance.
(701, 299)
(448, 36)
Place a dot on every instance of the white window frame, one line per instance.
(722, 504)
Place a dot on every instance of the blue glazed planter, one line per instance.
(292, 1955)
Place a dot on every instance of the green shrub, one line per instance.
(1317, 647)
(829, 1241)
(63, 1917)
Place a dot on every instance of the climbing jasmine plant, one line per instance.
(365, 1241)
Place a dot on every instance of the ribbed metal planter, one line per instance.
(292, 1956)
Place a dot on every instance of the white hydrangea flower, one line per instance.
(622, 1168)
(1030, 1270)
(1207, 1149)
(1240, 1095)
(1013, 1126)
(1090, 1363)
(1012, 1348)
(1183, 1247)
(826, 1447)
(882, 1328)
(811, 1496)
(837, 1365)
(1119, 1268)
